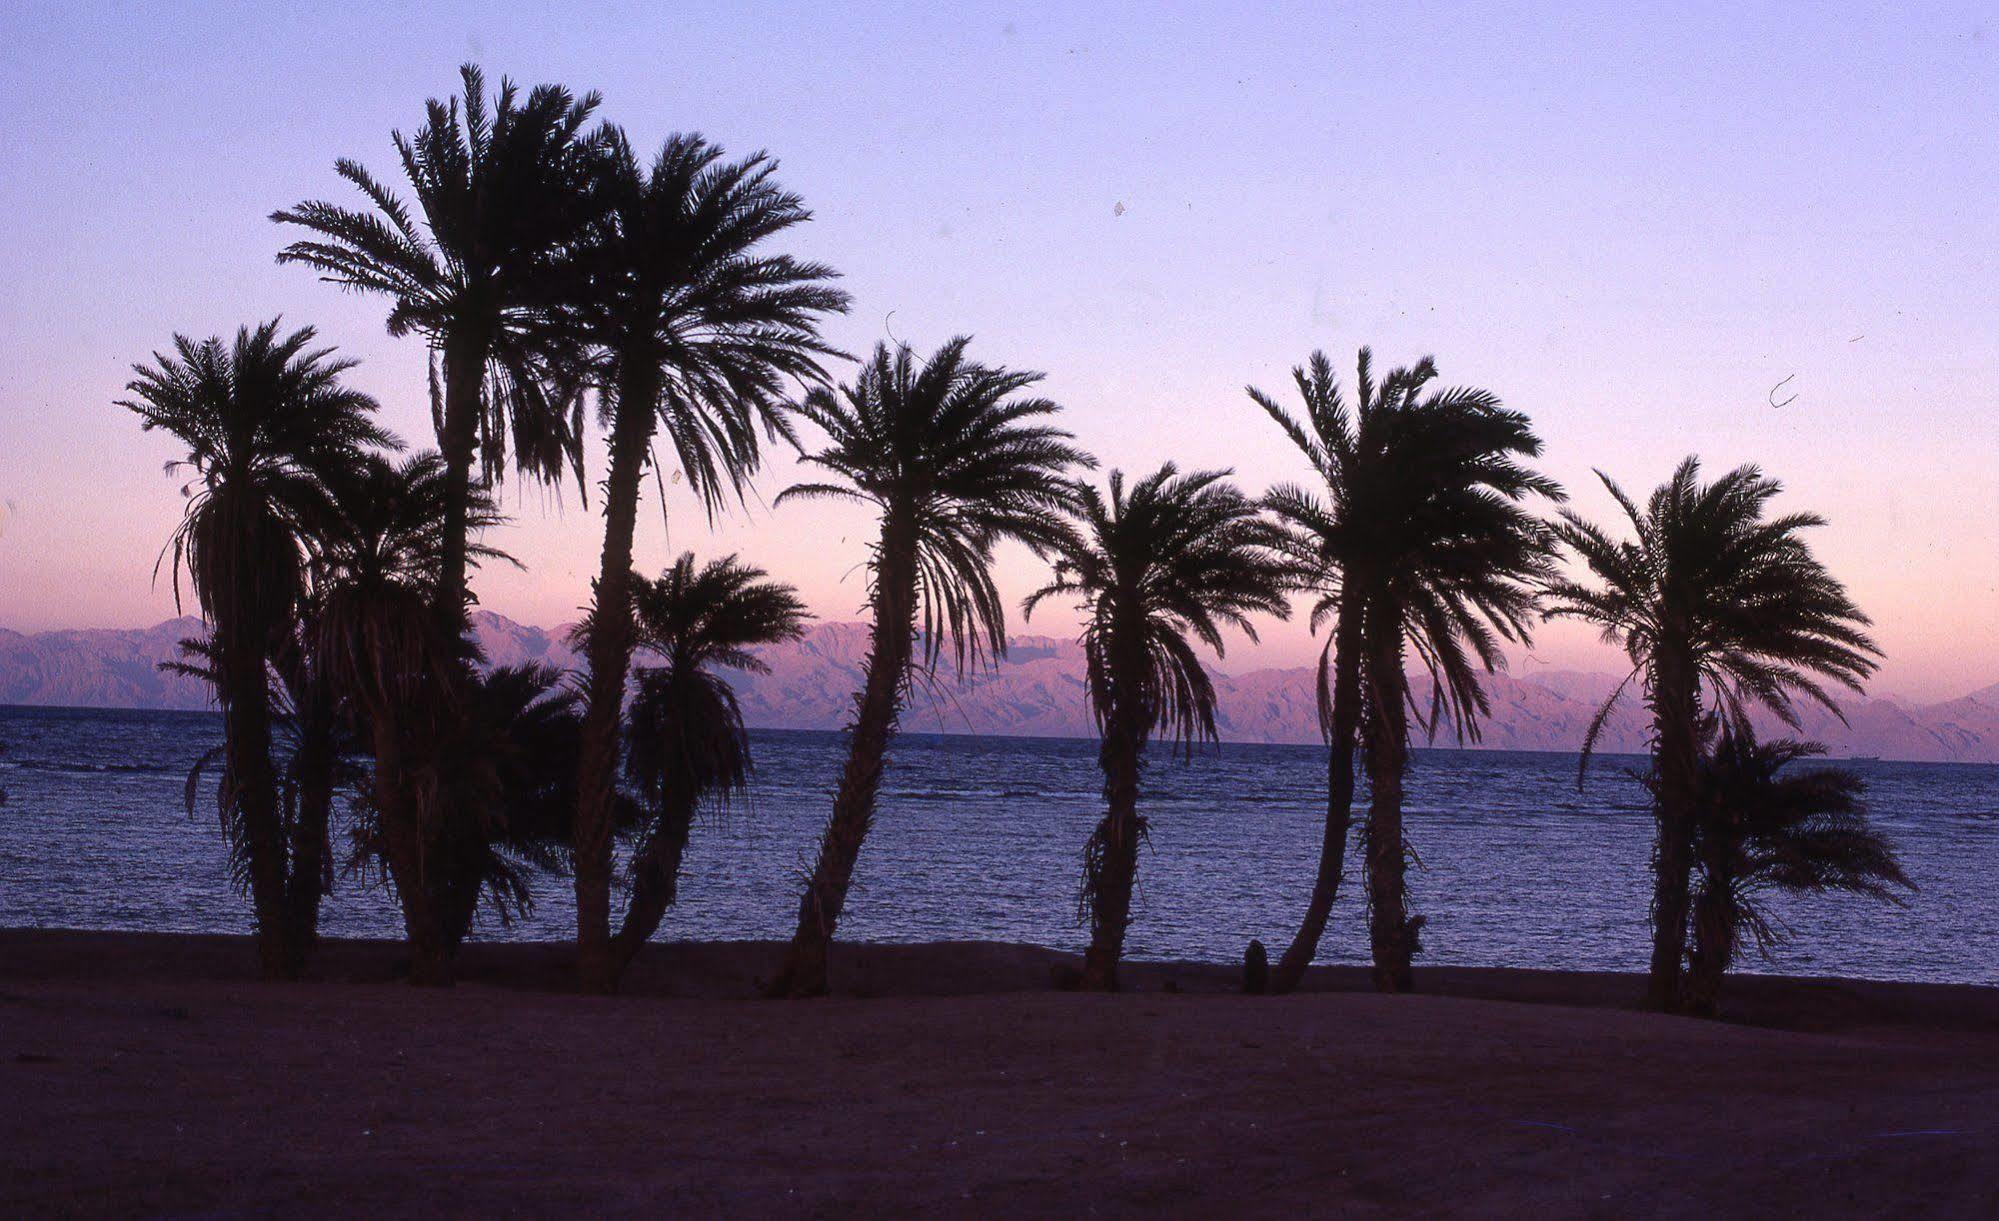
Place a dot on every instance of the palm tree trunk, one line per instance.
(458, 441)
(610, 657)
(1111, 870)
(877, 710)
(655, 878)
(249, 773)
(1714, 940)
(1110, 862)
(310, 872)
(1341, 740)
(1676, 733)
(1391, 934)
(406, 848)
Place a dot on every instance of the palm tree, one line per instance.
(502, 196)
(686, 744)
(1762, 829)
(1336, 541)
(698, 330)
(512, 770)
(1419, 544)
(263, 420)
(313, 756)
(1718, 607)
(1170, 562)
(955, 462)
(1454, 563)
(404, 672)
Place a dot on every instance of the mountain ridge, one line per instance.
(1037, 691)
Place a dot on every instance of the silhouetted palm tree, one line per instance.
(1454, 559)
(313, 756)
(512, 771)
(378, 640)
(686, 745)
(1337, 540)
(263, 420)
(1719, 608)
(699, 331)
(1760, 829)
(502, 195)
(1170, 563)
(955, 463)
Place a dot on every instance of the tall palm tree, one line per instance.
(699, 329)
(1719, 607)
(264, 420)
(378, 640)
(1457, 563)
(1420, 543)
(1337, 541)
(1762, 828)
(1172, 561)
(686, 744)
(955, 462)
(502, 196)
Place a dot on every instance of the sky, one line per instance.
(1643, 227)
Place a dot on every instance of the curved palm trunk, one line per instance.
(1110, 861)
(246, 719)
(1391, 933)
(1676, 719)
(610, 658)
(890, 652)
(1342, 740)
(655, 878)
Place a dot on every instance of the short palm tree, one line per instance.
(263, 420)
(1158, 567)
(502, 196)
(1719, 608)
(378, 641)
(313, 756)
(1762, 828)
(956, 461)
(698, 329)
(686, 746)
(1334, 537)
(1455, 562)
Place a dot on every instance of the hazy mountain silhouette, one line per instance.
(1036, 692)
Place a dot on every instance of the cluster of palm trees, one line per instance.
(548, 267)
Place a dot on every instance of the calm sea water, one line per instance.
(981, 838)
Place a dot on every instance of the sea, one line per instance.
(982, 838)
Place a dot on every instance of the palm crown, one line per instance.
(265, 420)
(1771, 826)
(697, 619)
(952, 456)
(375, 563)
(1707, 570)
(1423, 509)
(502, 196)
(684, 308)
(1169, 561)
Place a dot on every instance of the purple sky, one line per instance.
(1630, 227)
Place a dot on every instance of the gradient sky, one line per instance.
(1631, 226)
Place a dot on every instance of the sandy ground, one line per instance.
(144, 1074)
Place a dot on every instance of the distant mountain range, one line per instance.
(1037, 691)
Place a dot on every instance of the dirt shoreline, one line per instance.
(149, 1073)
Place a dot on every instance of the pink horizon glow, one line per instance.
(1630, 227)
